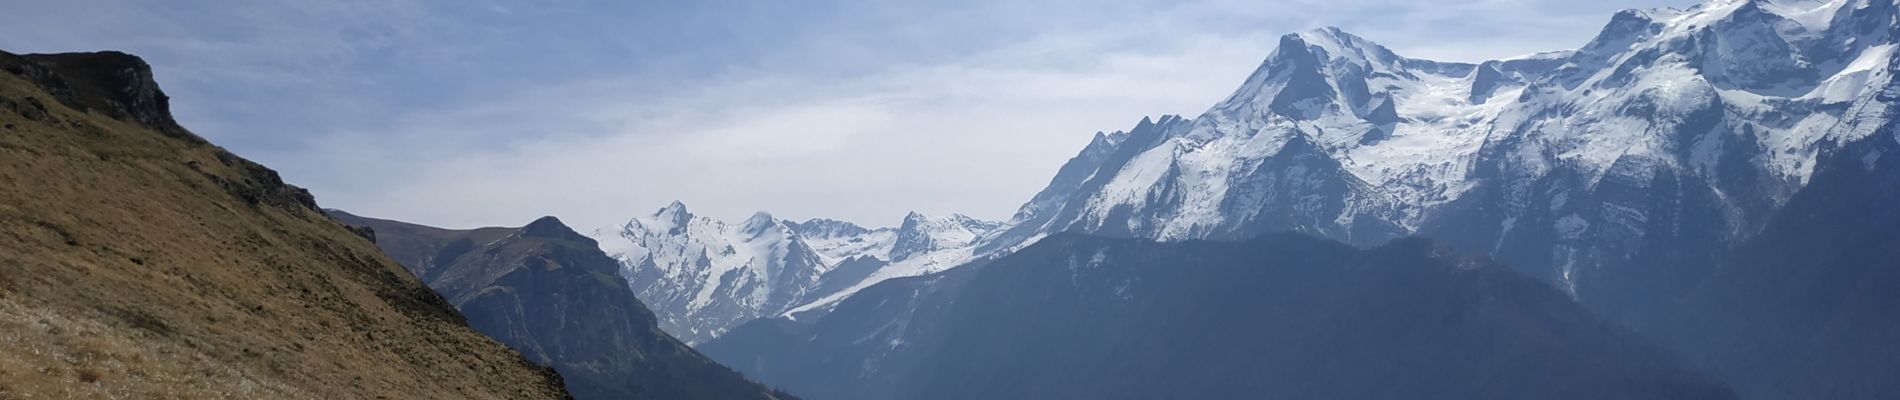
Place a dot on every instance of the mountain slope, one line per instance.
(1280, 316)
(703, 276)
(552, 294)
(1806, 310)
(137, 260)
(1620, 171)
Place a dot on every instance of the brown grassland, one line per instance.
(138, 261)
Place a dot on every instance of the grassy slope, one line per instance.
(138, 261)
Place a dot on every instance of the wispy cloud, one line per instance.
(494, 113)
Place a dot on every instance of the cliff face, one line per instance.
(551, 293)
(137, 260)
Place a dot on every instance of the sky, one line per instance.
(492, 113)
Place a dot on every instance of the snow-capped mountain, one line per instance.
(702, 276)
(1618, 171)
(1618, 168)
(921, 245)
(1720, 172)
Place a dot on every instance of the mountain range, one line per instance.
(703, 276)
(1621, 172)
(1713, 177)
(1618, 172)
(1697, 203)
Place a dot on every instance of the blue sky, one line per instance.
(473, 113)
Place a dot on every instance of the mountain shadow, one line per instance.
(1279, 316)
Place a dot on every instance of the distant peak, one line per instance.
(826, 228)
(674, 214)
(543, 222)
(1293, 48)
(1626, 27)
(676, 207)
(827, 222)
(550, 227)
(914, 222)
(759, 223)
(974, 224)
(1632, 14)
(1328, 34)
(1752, 10)
(760, 218)
(1339, 43)
(1108, 139)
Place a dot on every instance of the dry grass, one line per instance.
(129, 268)
(88, 374)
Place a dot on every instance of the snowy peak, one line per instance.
(761, 224)
(1346, 85)
(1105, 142)
(1069, 185)
(1770, 48)
(922, 234)
(1626, 28)
(1331, 45)
(920, 245)
(1776, 72)
(673, 216)
(821, 228)
(1295, 82)
(702, 276)
(1754, 49)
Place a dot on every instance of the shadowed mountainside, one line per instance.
(1281, 316)
(1807, 310)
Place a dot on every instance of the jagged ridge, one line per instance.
(703, 276)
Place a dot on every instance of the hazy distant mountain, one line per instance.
(1283, 316)
(552, 294)
(139, 261)
(703, 276)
